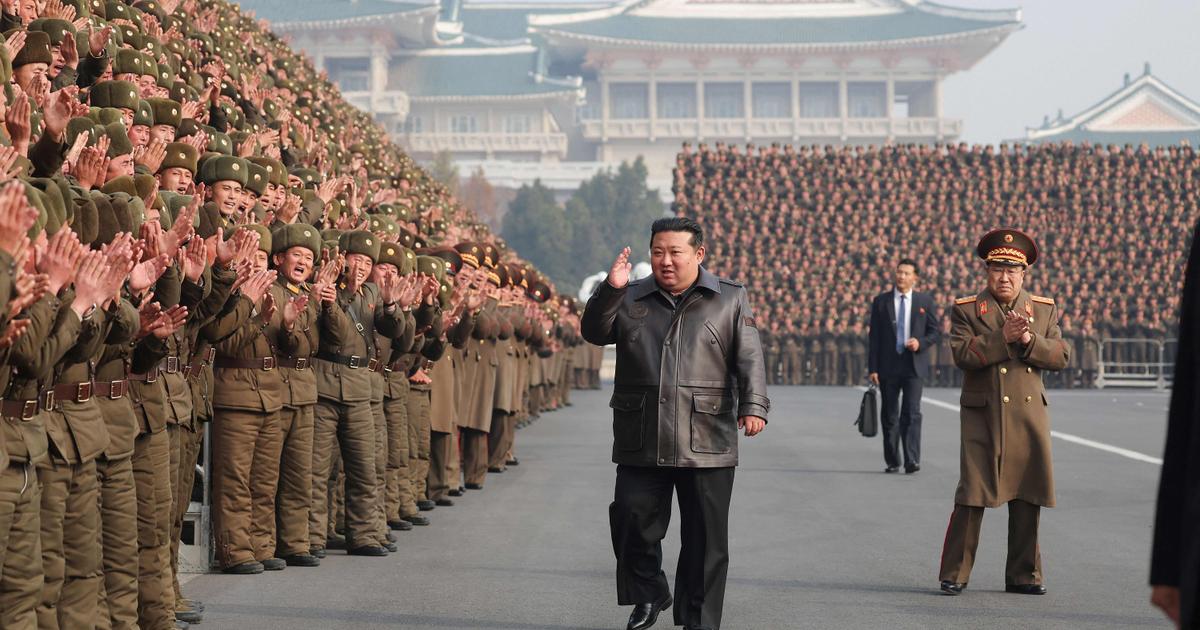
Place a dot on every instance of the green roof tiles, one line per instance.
(291, 11)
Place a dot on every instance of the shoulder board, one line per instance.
(1042, 300)
(966, 300)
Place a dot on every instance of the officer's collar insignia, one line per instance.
(983, 308)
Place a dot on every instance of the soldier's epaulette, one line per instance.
(966, 300)
(1042, 300)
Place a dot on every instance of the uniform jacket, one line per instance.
(1005, 426)
(924, 325)
(684, 375)
(1175, 555)
(341, 335)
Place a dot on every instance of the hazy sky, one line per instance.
(1071, 54)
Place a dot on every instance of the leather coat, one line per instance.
(684, 373)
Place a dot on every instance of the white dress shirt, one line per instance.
(908, 302)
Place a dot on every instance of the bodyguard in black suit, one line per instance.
(904, 333)
(1175, 560)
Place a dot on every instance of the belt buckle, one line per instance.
(172, 365)
(301, 363)
(354, 363)
(268, 364)
(388, 368)
(29, 409)
(83, 392)
(372, 364)
(48, 399)
(116, 389)
(210, 355)
(152, 375)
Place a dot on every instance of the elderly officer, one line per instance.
(1003, 339)
(690, 373)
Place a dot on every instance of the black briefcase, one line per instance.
(868, 413)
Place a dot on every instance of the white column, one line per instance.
(699, 110)
(603, 109)
(890, 97)
(843, 104)
(747, 105)
(937, 103)
(652, 102)
(795, 107)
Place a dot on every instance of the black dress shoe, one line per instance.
(912, 469)
(425, 505)
(512, 462)
(416, 519)
(494, 469)
(302, 560)
(318, 552)
(953, 588)
(892, 469)
(1025, 589)
(274, 564)
(644, 615)
(368, 550)
(391, 547)
(474, 486)
(400, 526)
(444, 502)
(245, 568)
(455, 492)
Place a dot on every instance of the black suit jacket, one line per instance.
(1175, 556)
(924, 325)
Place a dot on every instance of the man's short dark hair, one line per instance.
(679, 224)
(911, 263)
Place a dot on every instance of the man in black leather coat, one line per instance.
(690, 374)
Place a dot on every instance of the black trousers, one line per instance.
(638, 518)
(901, 417)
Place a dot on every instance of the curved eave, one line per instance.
(507, 98)
(382, 19)
(912, 42)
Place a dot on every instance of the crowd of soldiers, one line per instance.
(199, 236)
(816, 229)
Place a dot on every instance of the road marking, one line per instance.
(1123, 452)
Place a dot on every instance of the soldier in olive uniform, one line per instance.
(1003, 339)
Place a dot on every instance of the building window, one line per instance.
(590, 110)
(867, 100)
(414, 124)
(351, 74)
(724, 100)
(819, 100)
(629, 100)
(772, 100)
(914, 99)
(463, 123)
(676, 100)
(518, 123)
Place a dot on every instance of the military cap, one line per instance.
(145, 184)
(471, 253)
(384, 225)
(491, 256)
(264, 237)
(1007, 246)
(55, 28)
(393, 254)
(80, 125)
(296, 235)
(454, 261)
(53, 201)
(119, 143)
(180, 155)
(256, 178)
(220, 143)
(128, 61)
(223, 168)
(143, 115)
(166, 111)
(431, 265)
(120, 94)
(406, 238)
(540, 292)
(36, 50)
(276, 172)
(309, 177)
(360, 242)
(123, 184)
(107, 115)
(114, 10)
(114, 215)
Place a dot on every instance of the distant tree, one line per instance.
(622, 208)
(444, 170)
(537, 228)
(478, 194)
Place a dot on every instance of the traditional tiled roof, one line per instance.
(285, 12)
(1145, 110)
(905, 22)
(457, 74)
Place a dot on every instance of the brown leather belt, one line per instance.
(170, 365)
(353, 362)
(73, 392)
(23, 409)
(294, 363)
(113, 390)
(396, 366)
(148, 377)
(199, 363)
(265, 364)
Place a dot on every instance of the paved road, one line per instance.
(820, 537)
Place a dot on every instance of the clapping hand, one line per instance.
(1016, 328)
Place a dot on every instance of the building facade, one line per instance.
(555, 91)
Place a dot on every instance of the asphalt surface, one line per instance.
(820, 537)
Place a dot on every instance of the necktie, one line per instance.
(901, 321)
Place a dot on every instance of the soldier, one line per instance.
(792, 358)
(1003, 339)
(1089, 353)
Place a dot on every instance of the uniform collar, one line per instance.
(646, 286)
